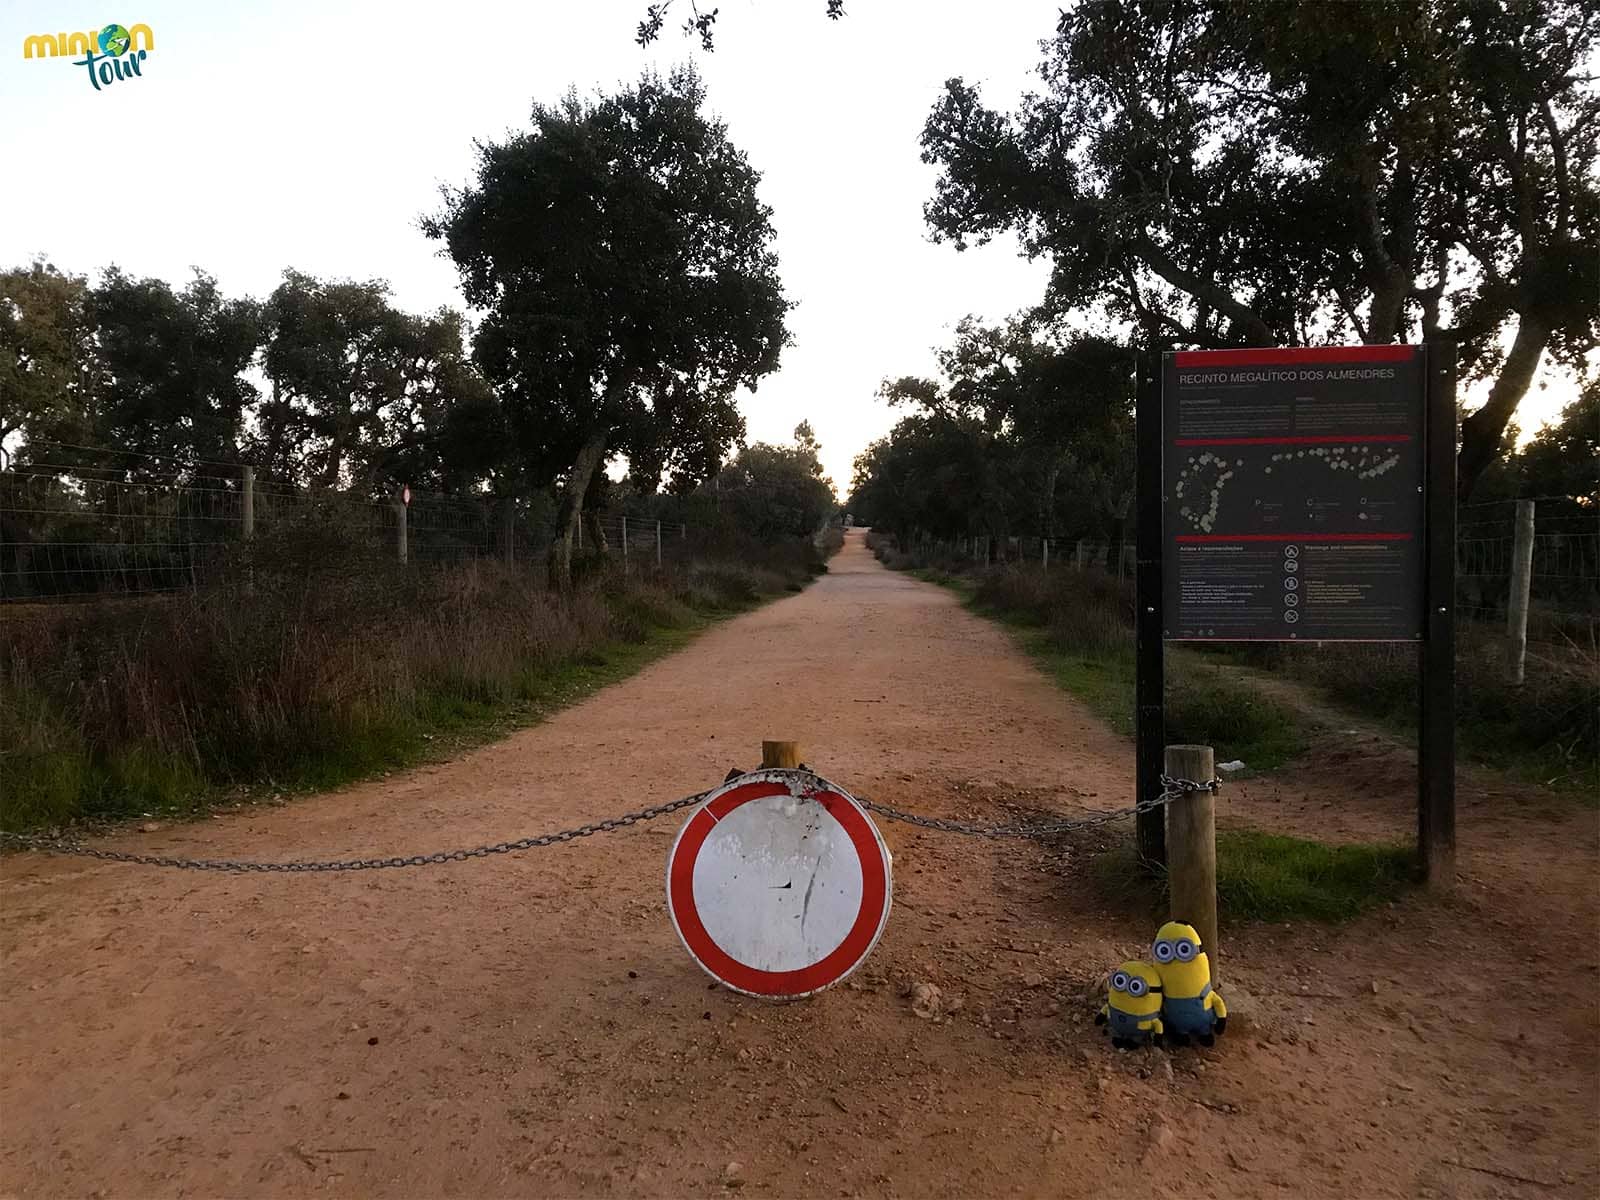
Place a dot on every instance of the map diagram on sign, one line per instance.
(1204, 476)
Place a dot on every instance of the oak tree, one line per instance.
(622, 260)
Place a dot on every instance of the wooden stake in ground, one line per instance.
(1192, 847)
(1521, 585)
(780, 754)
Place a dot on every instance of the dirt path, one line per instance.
(530, 1026)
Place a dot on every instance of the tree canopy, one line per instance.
(700, 23)
(622, 259)
(1229, 173)
(360, 395)
(1022, 433)
(777, 491)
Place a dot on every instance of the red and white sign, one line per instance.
(779, 884)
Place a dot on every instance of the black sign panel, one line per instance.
(1292, 494)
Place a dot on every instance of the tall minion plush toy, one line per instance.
(1189, 1005)
(1132, 1011)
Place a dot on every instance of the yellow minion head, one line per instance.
(1135, 987)
(1185, 969)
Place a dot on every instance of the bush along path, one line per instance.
(529, 1023)
(1266, 704)
(315, 661)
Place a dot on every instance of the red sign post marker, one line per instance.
(779, 885)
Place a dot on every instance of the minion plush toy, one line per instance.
(1189, 1006)
(1132, 1011)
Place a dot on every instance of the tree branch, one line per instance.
(1159, 261)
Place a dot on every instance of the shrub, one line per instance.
(312, 660)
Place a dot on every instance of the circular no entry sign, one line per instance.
(779, 884)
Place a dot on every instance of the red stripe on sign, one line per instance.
(1293, 537)
(1300, 354)
(845, 956)
(1320, 440)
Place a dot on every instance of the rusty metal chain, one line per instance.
(1171, 789)
(65, 845)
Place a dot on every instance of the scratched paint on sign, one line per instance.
(779, 884)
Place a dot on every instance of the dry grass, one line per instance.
(312, 662)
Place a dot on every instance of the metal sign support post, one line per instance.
(1436, 728)
(1150, 833)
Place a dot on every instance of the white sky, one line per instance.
(314, 133)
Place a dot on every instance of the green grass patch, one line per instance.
(1272, 877)
(1204, 705)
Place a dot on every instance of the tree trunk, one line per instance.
(571, 511)
(1119, 536)
(1481, 432)
(1047, 518)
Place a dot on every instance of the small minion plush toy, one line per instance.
(1132, 1011)
(1189, 1006)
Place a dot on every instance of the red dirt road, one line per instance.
(529, 1025)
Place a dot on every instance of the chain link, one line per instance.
(1171, 789)
(63, 845)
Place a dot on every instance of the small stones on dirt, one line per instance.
(1032, 980)
(150, 827)
(927, 1001)
(1160, 1141)
(733, 1175)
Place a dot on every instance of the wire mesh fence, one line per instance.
(1564, 566)
(1564, 591)
(68, 533)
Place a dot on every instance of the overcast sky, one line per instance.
(313, 133)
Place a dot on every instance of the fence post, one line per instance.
(658, 545)
(683, 531)
(1521, 586)
(1192, 847)
(248, 495)
(1046, 554)
(508, 528)
(780, 754)
(1077, 555)
(624, 543)
(400, 508)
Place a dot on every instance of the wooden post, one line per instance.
(780, 754)
(248, 495)
(658, 545)
(400, 508)
(1192, 847)
(508, 528)
(1521, 587)
(1046, 557)
(624, 543)
(1077, 555)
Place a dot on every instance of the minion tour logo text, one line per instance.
(110, 55)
